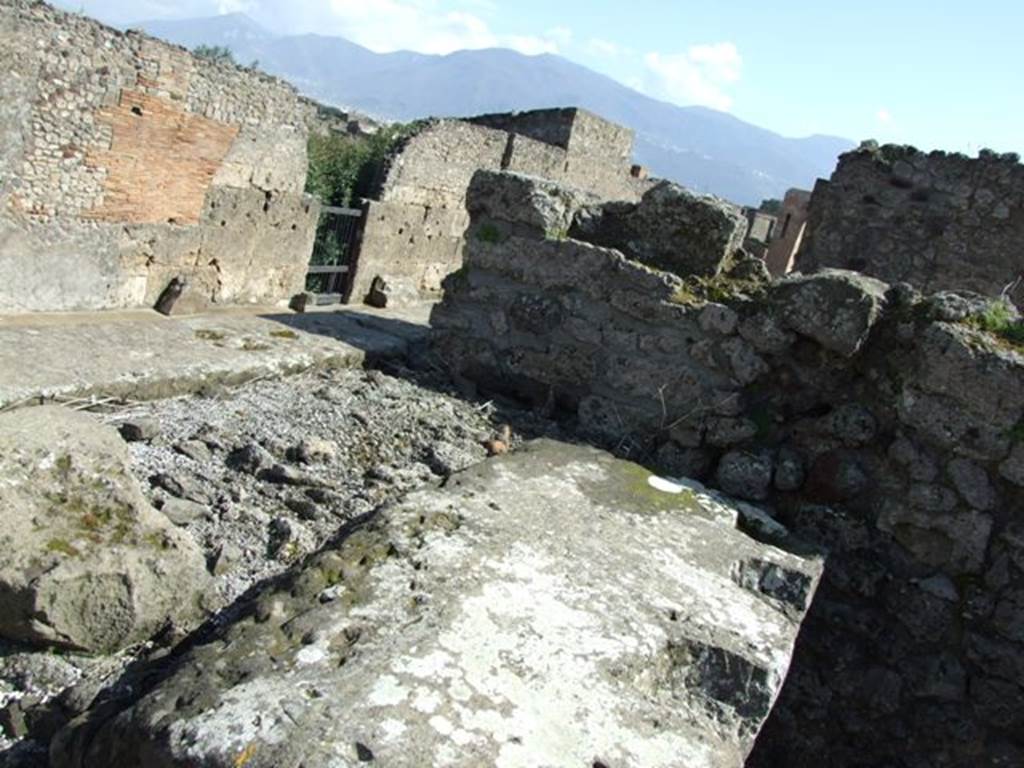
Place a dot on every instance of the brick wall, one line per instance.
(117, 144)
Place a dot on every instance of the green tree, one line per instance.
(343, 170)
(218, 53)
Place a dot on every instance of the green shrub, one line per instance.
(343, 169)
(1001, 321)
(216, 53)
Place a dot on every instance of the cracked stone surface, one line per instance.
(554, 606)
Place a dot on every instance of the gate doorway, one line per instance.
(337, 237)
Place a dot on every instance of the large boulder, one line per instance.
(85, 561)
(522, 203)
(834, 307)
(553, 607)
(670, 229)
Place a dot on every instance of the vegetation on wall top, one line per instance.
(344, 169)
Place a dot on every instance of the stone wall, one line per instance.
(413, 234)
(789, 233)
(127, 161)
(873, 421)
(936, 220)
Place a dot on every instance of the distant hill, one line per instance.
(698, 147)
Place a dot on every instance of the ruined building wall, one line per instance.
(936, 220)
(413, 235)
(871, 420)
(789, 233)
(126, 161)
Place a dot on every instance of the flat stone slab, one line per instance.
(552, 607)
(144, 355)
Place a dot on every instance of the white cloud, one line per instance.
(600, 47)
(425, 26)
(234, 6)
(699, 76)
(884, 116)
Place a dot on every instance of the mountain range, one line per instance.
(703, 149)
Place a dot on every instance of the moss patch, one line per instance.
(720, 289)
(629, 489)
(62, 547)
(205, 334)
(285, 334)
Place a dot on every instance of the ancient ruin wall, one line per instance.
(413, 235)
(871, 420)
(938, 221)
(127, 161)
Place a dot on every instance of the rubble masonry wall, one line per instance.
(413, 233)
(871, 420)
(127, 161)
(938, 221)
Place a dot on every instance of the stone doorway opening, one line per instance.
(330, 267)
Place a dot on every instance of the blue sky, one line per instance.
(935, 74)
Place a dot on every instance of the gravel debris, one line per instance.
(264, 474)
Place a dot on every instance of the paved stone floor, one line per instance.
(143, 355)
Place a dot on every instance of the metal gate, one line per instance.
(337, 236)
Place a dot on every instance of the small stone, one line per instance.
(250, 458)
(719, 319)
(181, 297)
(314, 450)
(182, 511)
(789, 470)
(181, 486)
(683, 462)
(853, 424)
(746, 364)
(363, 753)
(495, 447)
(1013, 468)
(745, 475)
(139, 430)
(723, 432)
(306, 509)
(931, 498)
(972, 482)
(301, 302)
(501, 444)
(225, 559)
(197, 450)
(12, 720)
(445, 459)
(941, 587)
(282, 474)
(918, 464)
